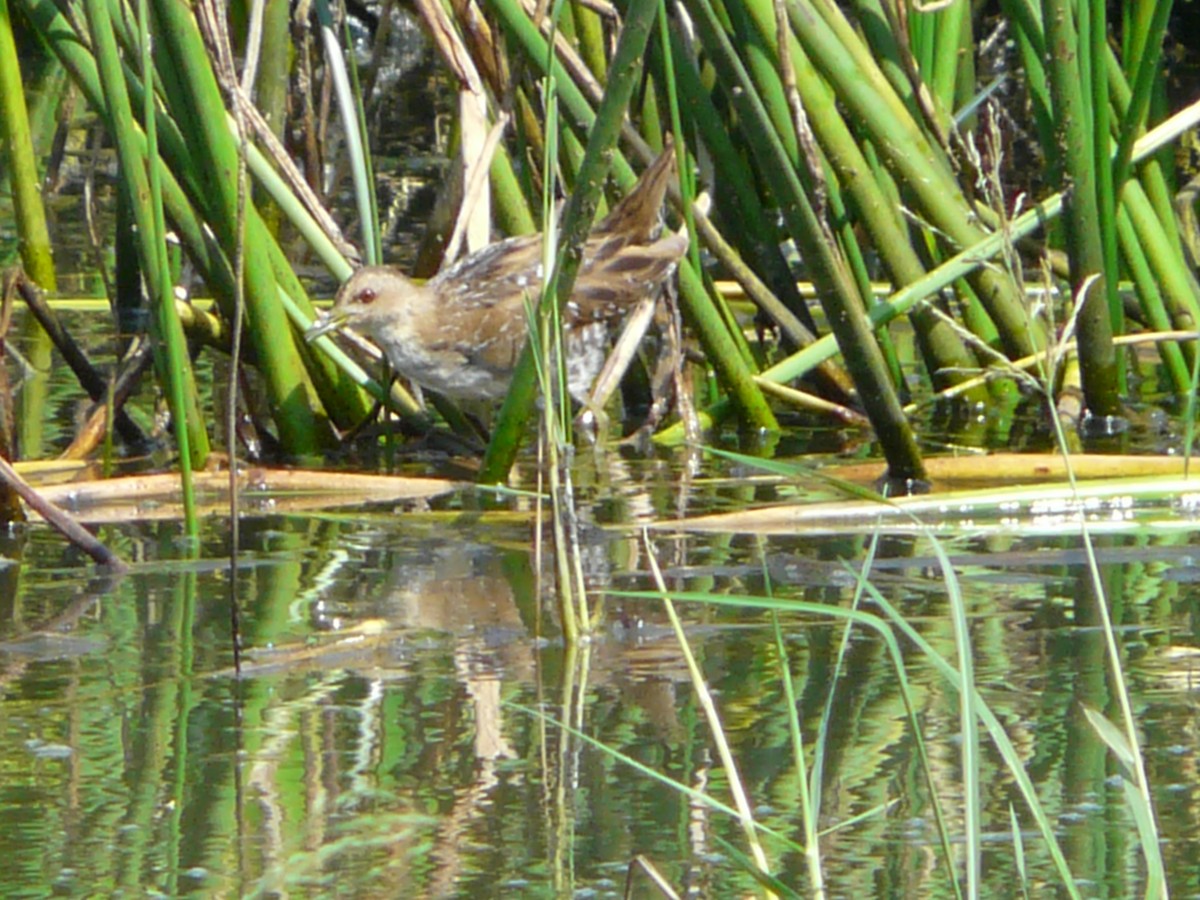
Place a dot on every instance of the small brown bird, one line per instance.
(461, 332)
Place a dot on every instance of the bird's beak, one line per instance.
(326, 323)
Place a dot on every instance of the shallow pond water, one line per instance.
(398, 726)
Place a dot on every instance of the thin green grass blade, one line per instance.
(765, 880)
(809, 813)
(349, 102)
(850, 616)
(716, 729)
(1008, 753)
(696, 796)
(1014, 825)
(968, 719)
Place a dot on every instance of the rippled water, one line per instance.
(398, 726)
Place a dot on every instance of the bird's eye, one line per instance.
(366, 296)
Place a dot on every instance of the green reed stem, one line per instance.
(181, 182)
(188, 421)
(1153, 195)
(1147, 289)
(508, 200)
(844, 308)
(1092, 67)
(1171, 274)
(348, 93)
(589, 35)
(961, 264)
(271, 83)
(1147, 198)
(922, 171)
(33, 237)
(946, 355)
(1075, 148)
(1144, 59)
(195, 100)
(176, 367)
(755, 236)
(24, 179)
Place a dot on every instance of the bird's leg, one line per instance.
(668, 378)
(471, 423)
(355, 431)
(665, 377)
(592, 423)
(619, 359)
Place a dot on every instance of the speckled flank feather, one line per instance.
(460, 333)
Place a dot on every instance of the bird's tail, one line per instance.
(637, 219)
